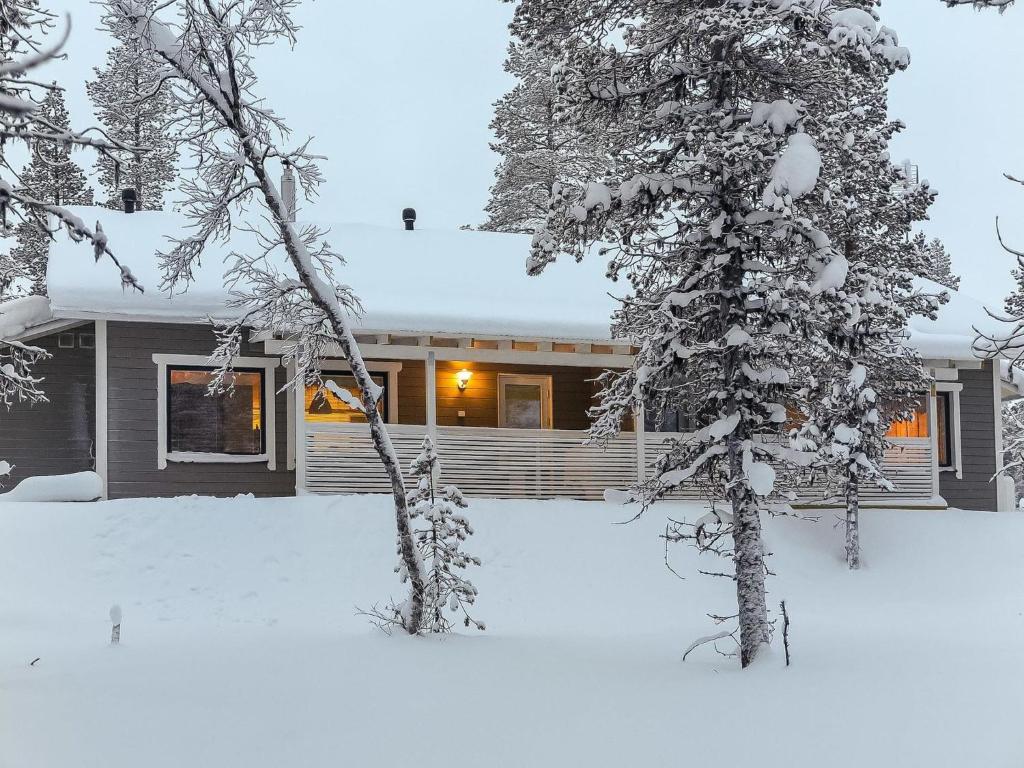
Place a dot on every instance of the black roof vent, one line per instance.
(130, 199)
(409, 217)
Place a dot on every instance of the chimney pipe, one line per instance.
(288, 190)
(129, 199)
(409, 217)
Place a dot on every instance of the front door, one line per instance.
(524, 402)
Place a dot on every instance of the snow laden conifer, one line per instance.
(937, 264)
(713, 115)
(53, 176)
(133, 108)
(535, 147)
(440, 534)
(286, 285)
(863, 375)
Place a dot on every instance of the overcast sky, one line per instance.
(398, 94)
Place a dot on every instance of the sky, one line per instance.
(398, 95)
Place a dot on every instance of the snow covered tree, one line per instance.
(536, 148)
(134, 109)
(936, 261)
(440, 540)
(1013, 444)
(208, 56)
(55, 177)
(865, 376)
(712, 112)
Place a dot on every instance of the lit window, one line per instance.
(225, 423)
(944, 432)
(916, 426)
(322, 405)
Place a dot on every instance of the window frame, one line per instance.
(547, 411)
(951, 392)
(263, 365)
(380, 373)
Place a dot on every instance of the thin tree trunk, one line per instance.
(321, 295)
(749, 562)
(852, 522)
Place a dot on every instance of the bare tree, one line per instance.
(207, 47)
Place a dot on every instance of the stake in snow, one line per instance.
(207, 52)
(707, 215)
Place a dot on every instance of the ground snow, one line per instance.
(80, 486)
(240, 647)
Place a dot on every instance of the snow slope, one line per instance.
(240, 646)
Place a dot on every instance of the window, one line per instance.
(524, 402)
(229, 427)
(915, 426)
(323, 405)
(943, 428)
(228, 422)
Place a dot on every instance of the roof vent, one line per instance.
(129, 198)
(409, 217)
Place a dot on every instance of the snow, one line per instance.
(420, 282)
(795, 172)
(18, 315)
(761, 477)
(80, 486)
(779, 115)
(241, 645)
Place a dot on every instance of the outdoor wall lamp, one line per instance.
(462, 378)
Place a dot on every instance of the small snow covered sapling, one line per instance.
(115, 621)
(439, 540)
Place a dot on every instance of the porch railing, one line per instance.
(521, 463)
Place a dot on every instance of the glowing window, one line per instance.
(916, 426)
(323, 405)
(228, 422)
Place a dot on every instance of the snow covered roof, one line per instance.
(418, 283)
(424, 282)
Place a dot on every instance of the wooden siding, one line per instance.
(132, 420)
(977, 439)
(55, 437)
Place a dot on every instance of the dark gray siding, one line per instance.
(132, 421)
(56, 437)
(977, 436)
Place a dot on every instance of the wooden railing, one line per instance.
(540, 464)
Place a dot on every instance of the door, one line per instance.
(524, 402)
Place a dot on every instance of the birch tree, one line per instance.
(712, 111)
(208, 51)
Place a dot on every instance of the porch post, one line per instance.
(641, 446)
(431, 386)
(933, 441)
(298, 394)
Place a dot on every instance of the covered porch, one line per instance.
(509, 420)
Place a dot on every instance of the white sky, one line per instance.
(398, 94)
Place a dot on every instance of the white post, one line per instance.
(101, 401)
(641, 447)
(299, 425)
(431, 382)
(933, 441)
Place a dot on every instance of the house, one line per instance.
(498, 366)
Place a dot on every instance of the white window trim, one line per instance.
(389, 368)
(547, 415)
(163, 456)
(954, 388)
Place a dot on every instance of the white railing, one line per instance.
(523, 463)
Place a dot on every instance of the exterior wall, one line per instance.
(132, 420)
(56, 437)
(978, 449)
(572, 393)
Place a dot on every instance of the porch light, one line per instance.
(462, 378)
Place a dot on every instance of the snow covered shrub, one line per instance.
(439, 539)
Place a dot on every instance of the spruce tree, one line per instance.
(536, 148)
(135, 107)
(53, 177)
(937, 264)
(713, 112)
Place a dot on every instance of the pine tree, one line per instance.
(439, 541)
(536, 149)
(53, 177)
(865, 376)
(712, 113)
(135, 108)
(937, 264)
